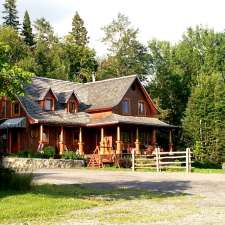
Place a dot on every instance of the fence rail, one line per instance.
(160, 160)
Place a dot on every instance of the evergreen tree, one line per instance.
(27, 30)
(10, 12)
(79, 32)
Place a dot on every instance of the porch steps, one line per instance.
(95, 160)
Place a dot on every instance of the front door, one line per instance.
(15, 141)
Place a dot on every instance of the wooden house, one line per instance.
(114, 114)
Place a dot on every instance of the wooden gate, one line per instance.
(160, 160)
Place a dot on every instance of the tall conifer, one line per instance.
(10, 17)
(27, 30)
(79, 32)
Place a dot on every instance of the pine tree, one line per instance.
(79, 32)
(27, 30)
(10, 12)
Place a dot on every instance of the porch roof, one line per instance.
(14, 123)
(135, 120)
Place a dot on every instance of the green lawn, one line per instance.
(193, 170)
(46, 204)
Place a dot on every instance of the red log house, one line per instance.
(114, 114)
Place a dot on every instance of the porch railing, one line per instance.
(160, 160)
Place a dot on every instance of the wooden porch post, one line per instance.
(61, 142)
(102, 150)
(154, 138)
(170, 141)
(137, 143)
(118, 141)
(80, 143)
(41, 134)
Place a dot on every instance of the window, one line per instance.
(72, 107)
(125, 106)
(16, 108)
(45, 136)
(141, 108)
(48, 104)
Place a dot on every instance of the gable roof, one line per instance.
(95, 95)
(64, 97)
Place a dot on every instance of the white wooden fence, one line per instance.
(160, 160)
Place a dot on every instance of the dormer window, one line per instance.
(126, 106)
(48, 104)
(72, 106)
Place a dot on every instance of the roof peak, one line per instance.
(91, 82)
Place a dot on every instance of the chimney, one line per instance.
(93, 77)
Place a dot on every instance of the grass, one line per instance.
(46, 204)
(182, 169)
(205, 170)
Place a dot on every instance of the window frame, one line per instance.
(144, 109)
(51, 104)
(128, 101)
(13, 109)
(46, 139)
(72, 102)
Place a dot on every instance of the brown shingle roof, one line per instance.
(95, 95)
(137, 120)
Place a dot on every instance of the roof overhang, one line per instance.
(14, 123)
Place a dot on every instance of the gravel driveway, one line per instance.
(210, 187)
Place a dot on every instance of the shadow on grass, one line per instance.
(108, 191)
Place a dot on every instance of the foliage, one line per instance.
(10, 14)
(81, 62)
(79, 33)
(127, 54)
(44, 31)
(48, 152)
(14, 181)
(204, 122)
(71, 155)
(125, 163)
(25, 154)
(27, 34)
(13, 79)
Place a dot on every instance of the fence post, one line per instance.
(157, 159)
(133, 160)
(187, 160)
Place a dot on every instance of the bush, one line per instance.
(206, 164)
(25, 154)
(48, 152)
(71, 155)
(125, 163)
(14, 181)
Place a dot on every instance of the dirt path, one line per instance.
(208, 209)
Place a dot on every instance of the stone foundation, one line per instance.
(30, 164)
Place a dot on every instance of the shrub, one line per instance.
(14, 181)
(71, 155)
(206, 164)
(48, 152)
(25, 154)
(125, 163)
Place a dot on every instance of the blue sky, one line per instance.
(161, 19)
